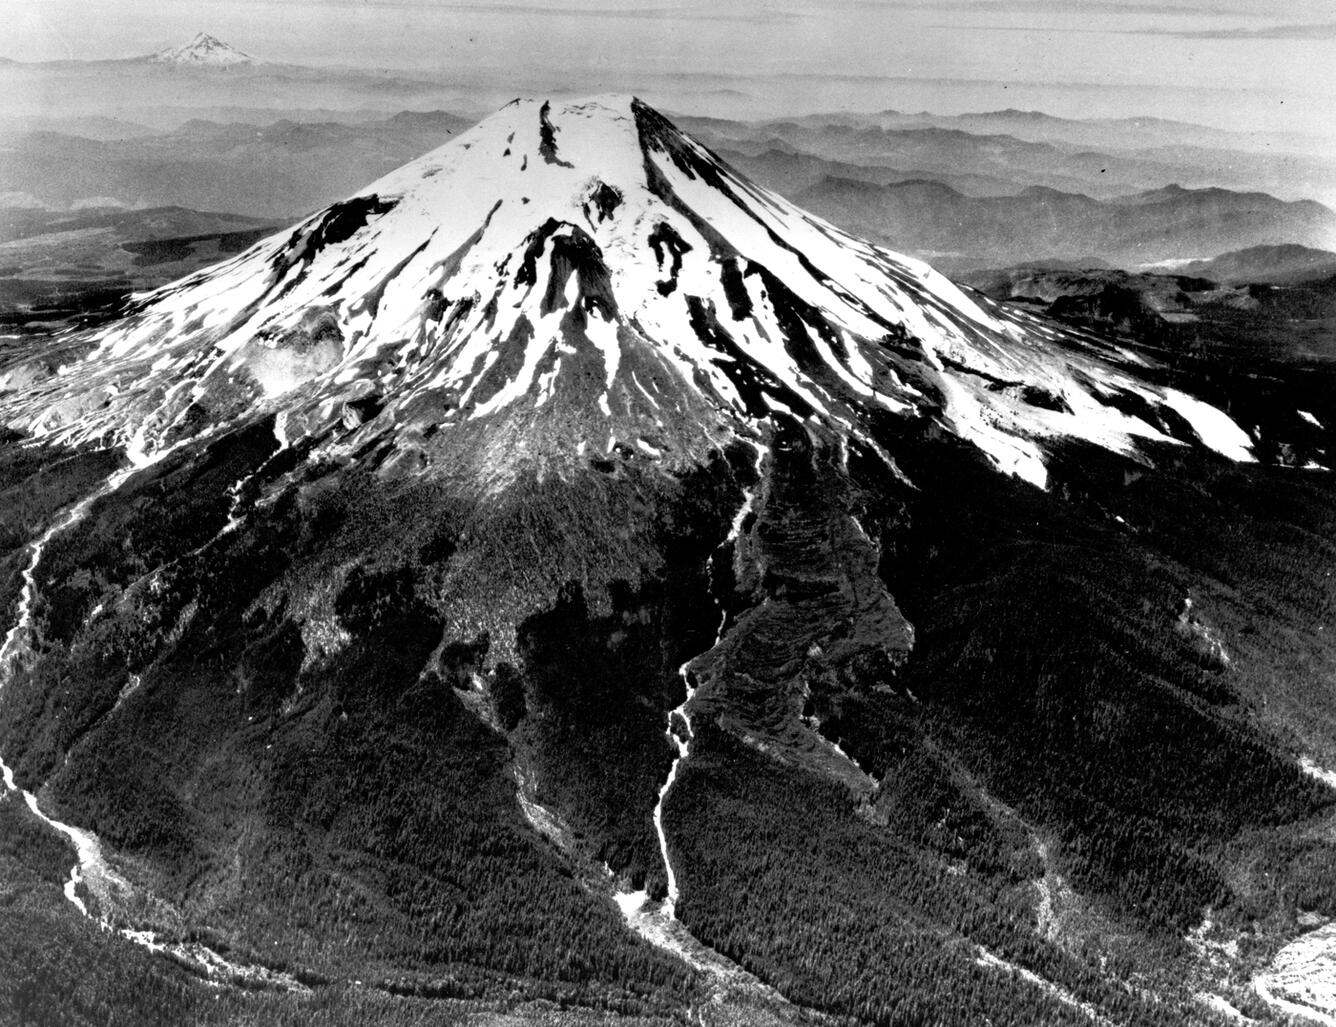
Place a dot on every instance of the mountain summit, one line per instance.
(204, 51)
(584, 275)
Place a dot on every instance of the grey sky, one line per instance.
(1221, 61)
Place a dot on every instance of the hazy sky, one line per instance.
(1246, 62)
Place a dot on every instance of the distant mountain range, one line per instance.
(284, 168)
(960, 231)
(205, 74)
(1073, 156)
(1128, 134)
(958, 199)
(207, 126)
(789, 170)
(1275, 265)
(1127, 153)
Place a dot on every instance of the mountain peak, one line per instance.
(204, 51)
(567, 278)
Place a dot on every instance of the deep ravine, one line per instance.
(91, 870)
(657, 922)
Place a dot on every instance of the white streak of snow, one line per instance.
(1313, 769)
(1213, 426)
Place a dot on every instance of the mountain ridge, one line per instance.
(970, 232)
(1270, 264)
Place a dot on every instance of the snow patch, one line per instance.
(1213, 426)
(1315, 770)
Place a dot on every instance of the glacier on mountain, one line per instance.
(559, 276)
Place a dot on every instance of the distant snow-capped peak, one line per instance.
(203, 51)
(562, 280)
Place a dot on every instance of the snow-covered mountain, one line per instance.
(562, 515)
(204, 51)
(584, 275)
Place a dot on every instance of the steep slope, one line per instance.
(564, 571)
(500, 279)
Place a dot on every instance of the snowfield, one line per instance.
(589, 269)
